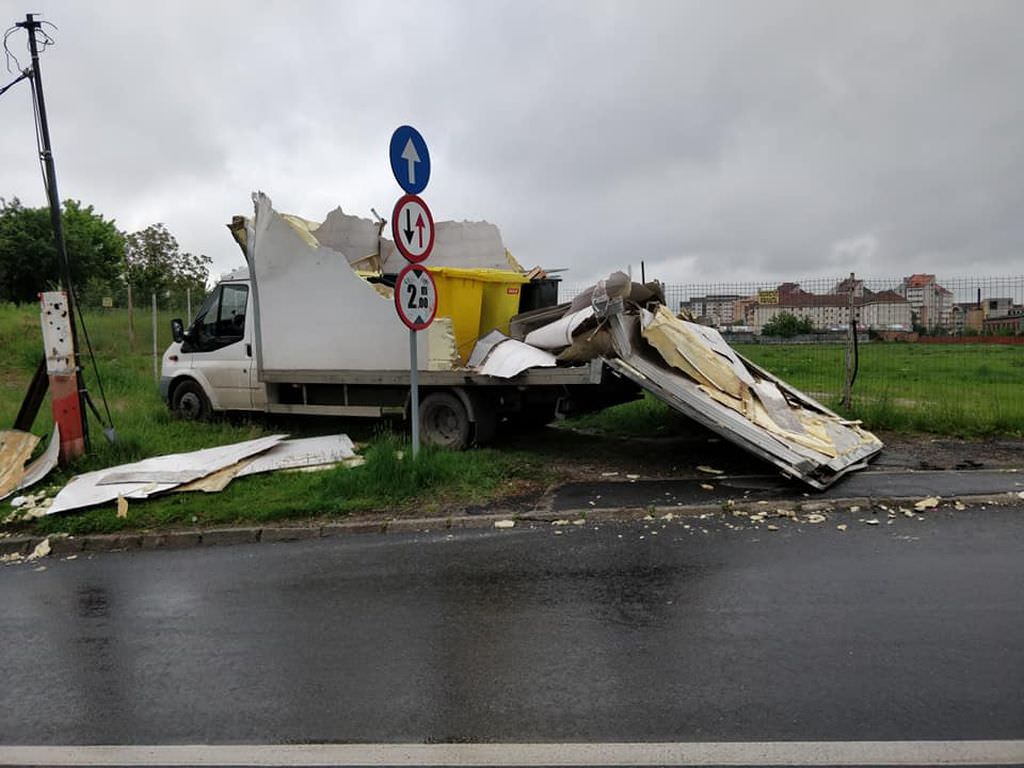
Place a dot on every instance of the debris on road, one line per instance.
(871, 521)
(708, 470)
(42, 549)
(815, 518)
(504, 523)
(841, 527)
(122, 507)
(930, 503)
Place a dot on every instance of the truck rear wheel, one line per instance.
(444, 421)
(190, 403)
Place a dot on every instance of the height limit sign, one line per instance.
(415, 297)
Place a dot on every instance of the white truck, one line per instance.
(310, 327)
(300, 331)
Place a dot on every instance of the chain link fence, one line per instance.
(908, 351)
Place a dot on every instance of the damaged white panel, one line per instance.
(89, 489)
(44, 463)
(558, 334)
(854, 446)
(483, 347)
(467, 244)
(508, 357)
(355, 237)
(443, 351)
(305, 452)
(314, 312)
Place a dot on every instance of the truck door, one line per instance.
(221, 345)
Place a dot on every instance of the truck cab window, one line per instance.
(221, 319)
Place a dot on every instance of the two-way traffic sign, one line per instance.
(410, 160)
(412, 227)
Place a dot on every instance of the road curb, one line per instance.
(64, 545)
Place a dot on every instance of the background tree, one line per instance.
(787, 325)
(154, 263)
(28, 257)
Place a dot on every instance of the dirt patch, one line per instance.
(929, 452)
(580, 457)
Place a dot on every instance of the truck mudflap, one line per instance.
(763, 415)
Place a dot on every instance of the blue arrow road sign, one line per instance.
(410, 160)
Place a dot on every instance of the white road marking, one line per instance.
(824, 753)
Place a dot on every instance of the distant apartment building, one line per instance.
(715, 309)
(884, 310)
(967, 317)
(932, 303)
(996, 308)
(1007, 322)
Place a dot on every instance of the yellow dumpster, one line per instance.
(477, 301)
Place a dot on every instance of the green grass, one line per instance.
(647, 417)
(968, 390)
(145, 427)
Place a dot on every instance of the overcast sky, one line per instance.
(716, 141)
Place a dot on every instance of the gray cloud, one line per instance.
(715, 141)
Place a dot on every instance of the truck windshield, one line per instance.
(221, 319)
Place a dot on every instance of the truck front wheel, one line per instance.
(444, 421)
(190, 403)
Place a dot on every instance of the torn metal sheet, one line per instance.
(483, 348)
(684, 346)
(508, 358)
(164, 477)
(43, 464)
(305, 453)
(215, 482)
(86, 490)
(558, 335)
(301, 453)
(15, 449)
(851, 445)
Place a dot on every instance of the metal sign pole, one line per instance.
(414, 386)
(415, 293)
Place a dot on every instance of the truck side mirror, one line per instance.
(177, 329)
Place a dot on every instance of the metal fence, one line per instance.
(928, 347)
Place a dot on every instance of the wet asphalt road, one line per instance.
(631, 632)
(715, 489)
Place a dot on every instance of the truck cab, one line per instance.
(210, 364)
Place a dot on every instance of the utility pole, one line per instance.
(67, 387)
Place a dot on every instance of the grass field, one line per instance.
(145, 427)
(970, 390)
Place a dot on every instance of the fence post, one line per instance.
(850, 341)
(156, 366)
(131, 319)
